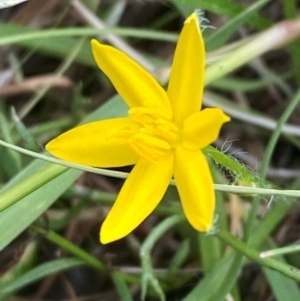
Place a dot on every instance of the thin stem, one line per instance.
(254, 255)
(80, 253)
(268, 155)
(67, 245)
(87, 32)
(148, 273)
(280, 251)
(276, 134)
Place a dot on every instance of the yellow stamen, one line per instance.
(145, 116)
(148, 147)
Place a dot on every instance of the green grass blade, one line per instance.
(57, 47)
(19, 216)
(205, 289)
(30, 184)
(281, 285)
(58, 42)
(41, 271)
(225, 8)
(219, 37)
(276, 134)
(148, 275)
(210, 251)
(121, 286)
(291, 11)
(11, 162)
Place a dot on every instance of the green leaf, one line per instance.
(232, 83)
(281, 285)
(219, 37)
(58, 42)
(291, 10)
(41, 271)
(148, 275)
(206, 289)
(210, 251)
(121, 286)
(225, 8)
(58, 47)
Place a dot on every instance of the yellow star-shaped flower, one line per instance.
(162, 135)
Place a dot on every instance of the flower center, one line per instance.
(153, 133)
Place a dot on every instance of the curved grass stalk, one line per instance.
(32, 183)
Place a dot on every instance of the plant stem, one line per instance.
(254, 255)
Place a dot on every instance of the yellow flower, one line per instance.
(162, 135)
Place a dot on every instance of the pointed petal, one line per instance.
(187, 76)
(90, 145)
(137, 86)
(203, 128)
(142, 191)
(195, 186)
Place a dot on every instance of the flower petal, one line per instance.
(90, 145)
(142, 191)
(195, 186)
(203, 128)
(187, 76)
(137, 86)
